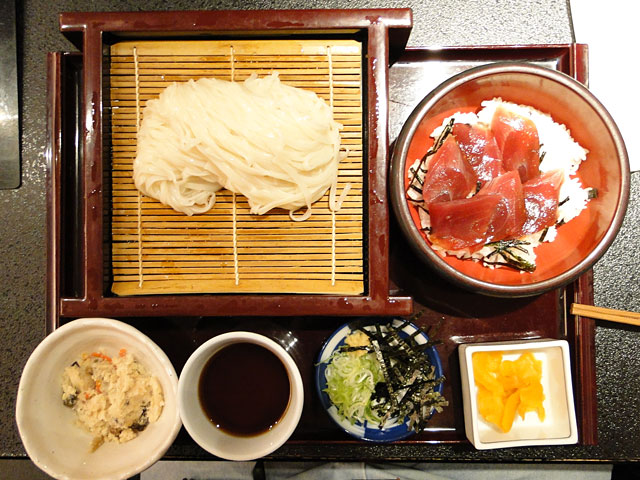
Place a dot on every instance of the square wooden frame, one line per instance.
(76, 273)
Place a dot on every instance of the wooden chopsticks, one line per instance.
(609, 314)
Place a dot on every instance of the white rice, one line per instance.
(560, 150)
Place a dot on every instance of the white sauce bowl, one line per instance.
(217, 441)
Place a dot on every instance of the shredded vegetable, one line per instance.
(351, 380)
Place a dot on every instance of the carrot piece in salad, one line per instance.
(122, 352)
(101, 355)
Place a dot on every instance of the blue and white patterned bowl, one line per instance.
(394, 429)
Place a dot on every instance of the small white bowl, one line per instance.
(217, 441)
(47, 427)
(559, 426)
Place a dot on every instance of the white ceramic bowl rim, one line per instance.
(49, 342)
(187, 388)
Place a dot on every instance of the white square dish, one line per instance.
(559, 426)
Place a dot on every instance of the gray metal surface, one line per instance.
(436, 22)
(9, 118)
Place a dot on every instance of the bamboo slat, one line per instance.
(155, 250)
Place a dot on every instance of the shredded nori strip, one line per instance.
(563, 201)
(414, 187)
(391, 399)
(593, 193)
(409, 378)
(417, 316)
(544, 235)
(507, 250)
(432, 332)
(417, 178)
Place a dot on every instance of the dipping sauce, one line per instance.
(244, 389)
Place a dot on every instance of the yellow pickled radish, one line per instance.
(484, 371)
(508, 388)
(490, 406)
(509, 412)
(531, 398)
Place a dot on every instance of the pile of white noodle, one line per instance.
(275, 144)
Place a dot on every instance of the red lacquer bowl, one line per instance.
(582, 241)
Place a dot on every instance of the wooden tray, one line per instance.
(458, 316)
(96, 237)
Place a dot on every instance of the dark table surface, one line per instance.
(436, 23)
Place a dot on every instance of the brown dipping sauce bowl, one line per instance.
(227, 400)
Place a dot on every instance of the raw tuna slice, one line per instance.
(449, 175)
(511, 207)
(479, 146)
(464, 223)
(518, 140)
(541, 201)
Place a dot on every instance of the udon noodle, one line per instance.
(277, 145)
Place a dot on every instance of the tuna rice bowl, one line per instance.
(499, 180)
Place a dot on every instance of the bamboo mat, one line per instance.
(272, 254)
